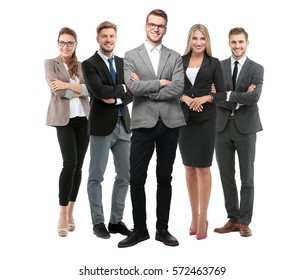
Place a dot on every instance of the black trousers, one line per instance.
(73, 141)
(143, 143)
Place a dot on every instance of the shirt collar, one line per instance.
(149, 47)
(240, 61)
(104, 57)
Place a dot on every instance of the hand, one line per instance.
(251, 88)
(76, 95)
(165, 83)
(58, 85)
(191, 103)
(196, 104)
(134, 77)
(109, 100)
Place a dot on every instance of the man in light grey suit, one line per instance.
(237, 123)
(154, 75)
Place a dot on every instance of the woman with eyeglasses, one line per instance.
(68, 111)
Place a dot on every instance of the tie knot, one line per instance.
(110, 59)
(236, 62)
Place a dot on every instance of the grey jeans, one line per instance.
(119, 144)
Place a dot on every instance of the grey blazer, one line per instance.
(247, 117)
(150, 100)
(59, 107)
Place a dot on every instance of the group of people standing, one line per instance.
(194, 101)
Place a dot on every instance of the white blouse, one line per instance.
(76, 108)
(191, 73)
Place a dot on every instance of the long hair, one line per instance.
(72, 63)
(205, 32)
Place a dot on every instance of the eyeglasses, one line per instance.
(151, 25)
(68, 44)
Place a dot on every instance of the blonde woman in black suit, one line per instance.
(68, 111)
(197, 138)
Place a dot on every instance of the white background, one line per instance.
(31, 160)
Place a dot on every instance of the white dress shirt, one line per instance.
(154, 55)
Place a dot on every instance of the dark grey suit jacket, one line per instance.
(247, 117)
(150, 101)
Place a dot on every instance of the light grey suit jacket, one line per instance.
(150, 100)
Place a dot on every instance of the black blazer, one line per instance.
(103, 117)
(210, 72)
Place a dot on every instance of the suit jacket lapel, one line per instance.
(103, 66)
(186, 61)
(243, 71)
(228, 73)
(164, 55)
(62, 69)
(119, 68)
(145, 57)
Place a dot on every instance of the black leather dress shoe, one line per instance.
(164, 236)
(118, 228)
(100, 231)
(134, 238)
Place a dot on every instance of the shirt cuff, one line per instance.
(228, 95)
(69, 94)
(119, 101)
(125, 89)
(84, 90)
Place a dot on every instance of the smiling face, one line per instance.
(107, 39)
(155, 28)
(67, 45)
(198, 42)
(238, 45)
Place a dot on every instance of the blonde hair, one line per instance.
(205, 32)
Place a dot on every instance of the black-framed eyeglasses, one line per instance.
(68, 44)
(160, 27)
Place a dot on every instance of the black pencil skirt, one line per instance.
(197, 143)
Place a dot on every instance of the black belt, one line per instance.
(120, 118)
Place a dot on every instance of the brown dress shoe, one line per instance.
(245, 231)
(228, 227)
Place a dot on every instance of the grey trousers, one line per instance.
(228, 142)
(119, 144)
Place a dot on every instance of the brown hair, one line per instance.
(237, 31)
(104, 25)
(205, 32)
(72, 63)
(159, 13)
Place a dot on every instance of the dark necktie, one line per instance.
(113, 76)
(112, 71)
(234, 74)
